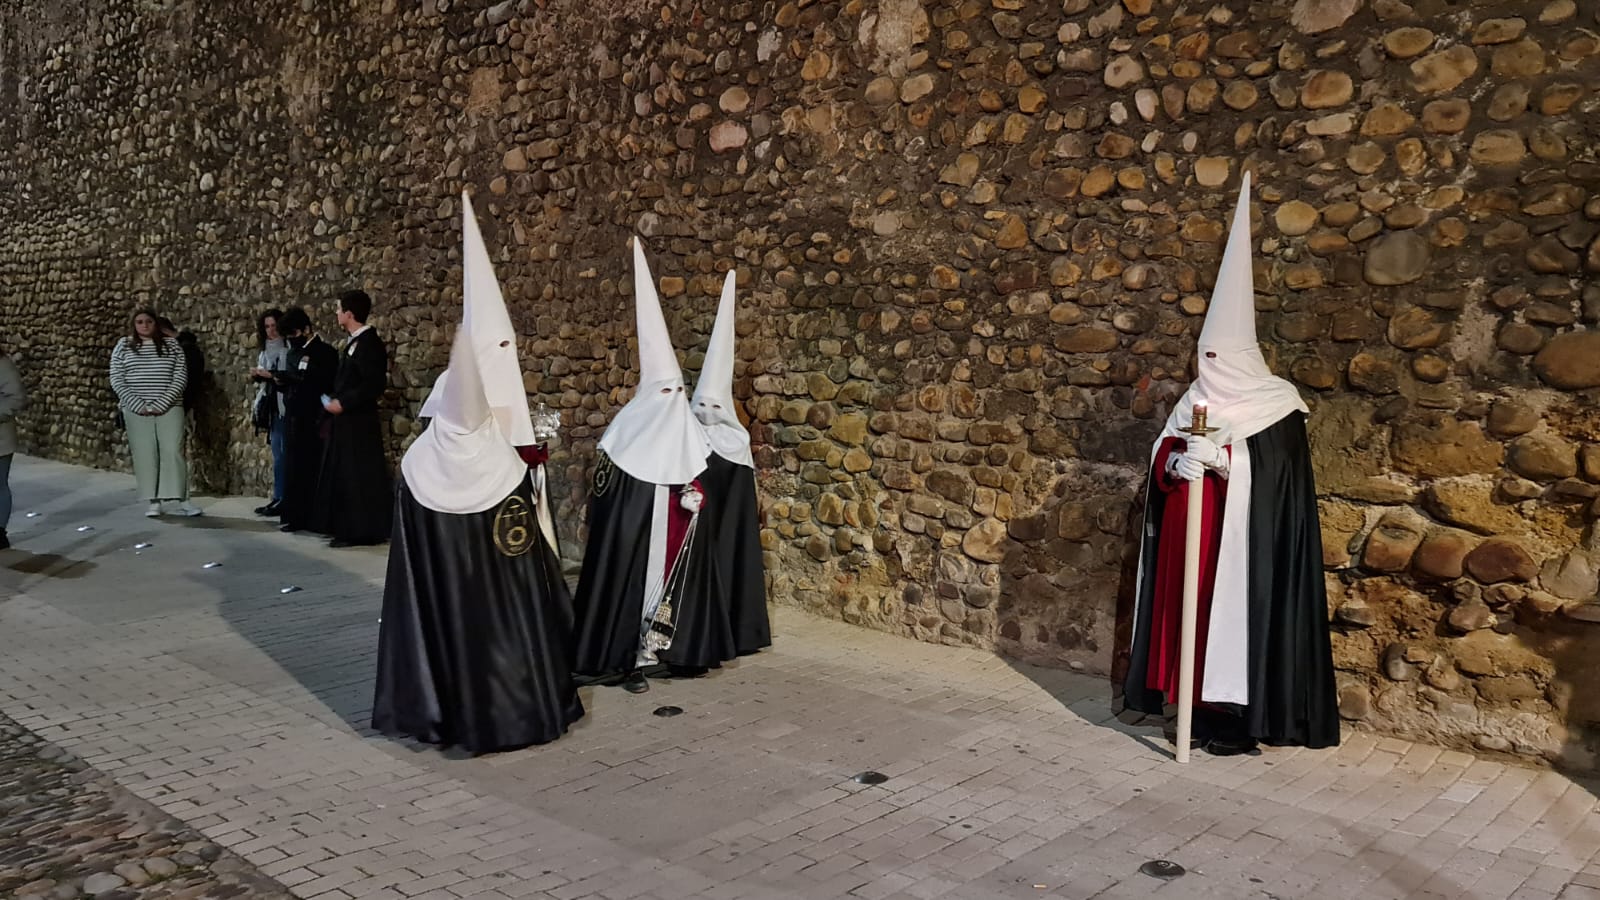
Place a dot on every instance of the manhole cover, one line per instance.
(1162, 868)
(870, 778)
(667, 712)
(290, 589)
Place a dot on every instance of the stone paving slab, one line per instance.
(242, 710)
(67, 831)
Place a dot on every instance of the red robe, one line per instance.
(1166, 609)
(678, 520)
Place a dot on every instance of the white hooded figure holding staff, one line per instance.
(1263, 666)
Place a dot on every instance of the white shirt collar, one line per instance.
(360, 331)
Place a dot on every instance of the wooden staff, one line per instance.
(1192, 561)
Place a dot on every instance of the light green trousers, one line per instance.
(156, 445)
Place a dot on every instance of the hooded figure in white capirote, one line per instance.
(645, 567)
(474, 645)
(736, 621)
(1263, 658)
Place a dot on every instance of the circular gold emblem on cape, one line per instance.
(513, 534)
(604, 474)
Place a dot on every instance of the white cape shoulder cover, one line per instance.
(466, 461)
(654, 437)
(713, 394)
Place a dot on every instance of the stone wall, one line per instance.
(974, 241)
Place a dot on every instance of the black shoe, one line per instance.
(5, 542)
(635, 683)
(339, 544)
(1231, 748)
(287, 528)
(271, 509)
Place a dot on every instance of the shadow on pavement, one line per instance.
(314, 618)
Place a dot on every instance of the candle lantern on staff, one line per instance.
(1198, 427)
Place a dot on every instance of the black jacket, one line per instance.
(309, 374)
(363, 373)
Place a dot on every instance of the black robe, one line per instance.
(356, 499)
(609, 604)
(1293, 700)
(473, 650)
(308, 375)
(731, 530)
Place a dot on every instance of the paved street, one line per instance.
(241, 709)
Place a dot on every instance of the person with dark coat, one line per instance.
(307, 376)
(354, 488)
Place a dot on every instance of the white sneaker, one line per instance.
(154, 511)
(189, 509)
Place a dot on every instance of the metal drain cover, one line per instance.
(667, 712)
(870, 778)
(1164, 869)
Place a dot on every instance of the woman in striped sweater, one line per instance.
(148, 375)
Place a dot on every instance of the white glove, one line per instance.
(1205, 451)
(1188, 468)
(691, 499)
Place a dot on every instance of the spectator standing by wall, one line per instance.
(148, 374)
(267, 413)
(306, 378)
(354, 487)
(12, 398)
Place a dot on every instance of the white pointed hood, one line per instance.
(713, 401)
(1242, 395)
(465, 461)
(654, 437)
(494, 341)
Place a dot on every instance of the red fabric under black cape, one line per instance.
(1291, 684)
(609, 602)
(1166, 613)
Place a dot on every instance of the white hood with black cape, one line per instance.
(474, 646)
(1266, 645)
(645, 569)
(731, 519)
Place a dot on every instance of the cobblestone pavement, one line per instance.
(67, 831)
(241, 709)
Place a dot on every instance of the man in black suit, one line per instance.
(307, 376)
(355, 501)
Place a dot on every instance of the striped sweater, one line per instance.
(145, 379)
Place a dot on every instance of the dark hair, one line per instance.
(276, 315)
(294, 320)
(357, 304)
(135, 339)
(165, 325)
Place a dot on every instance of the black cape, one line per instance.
(355, 498)
(309, 375)
(731, 529)
(1293, 700)
(609, 604)
(473, 650)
